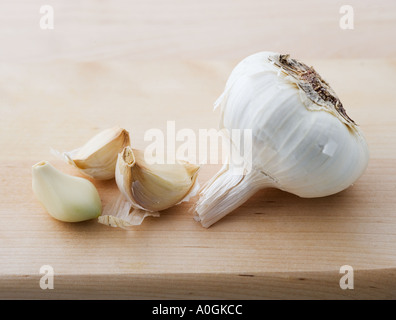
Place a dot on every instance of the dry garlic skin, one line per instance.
(66, 198)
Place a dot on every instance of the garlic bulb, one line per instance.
(148, 188)
(66, 198)
(303, 142)
(98, 157)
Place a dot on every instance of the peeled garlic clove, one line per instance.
(98, 157)
(66, 198)
(303, 142)
(153, 187)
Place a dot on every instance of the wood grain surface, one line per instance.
(141, 64)
(195, 29)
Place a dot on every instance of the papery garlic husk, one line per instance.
(120, 213)
(98, 157)
(66, 198)
(303, 142)
(148, 188)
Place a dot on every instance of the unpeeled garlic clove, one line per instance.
(153, 187)
(66, 198)
(98, 157)
(147, 188)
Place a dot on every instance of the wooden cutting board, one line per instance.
(274, 246)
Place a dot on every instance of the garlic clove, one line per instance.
(66, 198)
(98, 157)
(154, 187)
(147, 188)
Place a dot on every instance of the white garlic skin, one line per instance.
(310, 153)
